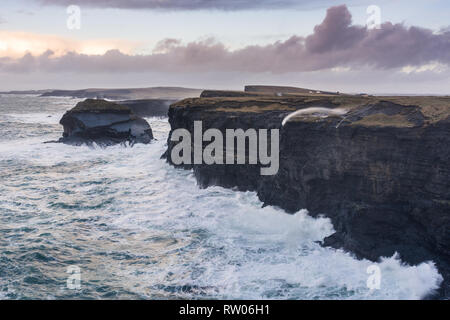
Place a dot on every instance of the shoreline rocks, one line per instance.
(104, 123)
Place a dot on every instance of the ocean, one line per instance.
(136, 228)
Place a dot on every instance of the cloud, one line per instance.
(193, 4)
(15, 44)
(335, 44)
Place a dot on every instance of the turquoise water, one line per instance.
(138, 228)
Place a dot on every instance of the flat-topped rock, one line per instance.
(104, 123)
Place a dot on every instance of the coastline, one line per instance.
(380, 173)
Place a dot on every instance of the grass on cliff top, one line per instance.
(257, 109)
(94, 105)
(432, 107)
(281, 102)
(383, 120)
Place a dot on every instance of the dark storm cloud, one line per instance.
(334, 43)
(192, 4)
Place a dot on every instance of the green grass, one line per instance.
(93, 105)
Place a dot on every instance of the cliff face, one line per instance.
(380, 169)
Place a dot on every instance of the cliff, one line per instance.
(378, 168)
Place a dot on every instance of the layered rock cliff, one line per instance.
(104, 123)
(379, 168)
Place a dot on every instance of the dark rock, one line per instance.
(149, 107)
(104, 123)
(380, 172)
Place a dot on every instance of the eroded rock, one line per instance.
(104, 123)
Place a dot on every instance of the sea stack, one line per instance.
(104, 123)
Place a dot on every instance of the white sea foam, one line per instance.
(41, 118)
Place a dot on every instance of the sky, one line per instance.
(384, 46)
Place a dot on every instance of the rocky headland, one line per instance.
(378, 167)
(104, 123)
(166, 93)
(284, 90)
